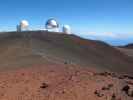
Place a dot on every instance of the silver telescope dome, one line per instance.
(51, 23)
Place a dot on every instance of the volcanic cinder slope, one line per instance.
(129, 46)
(128, 52)
(29, 48)
(73, 49)
(53, 66)
(127, 49)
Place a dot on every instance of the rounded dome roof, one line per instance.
(24, 24)
(67, 29)
(51, 23)
(66, 26)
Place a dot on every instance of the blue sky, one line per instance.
(108, 20)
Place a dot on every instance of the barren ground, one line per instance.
(61, 82)
(61, 67)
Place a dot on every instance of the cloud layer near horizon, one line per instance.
(110, 35)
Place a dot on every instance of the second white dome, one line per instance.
(24, 24)
(66, 29)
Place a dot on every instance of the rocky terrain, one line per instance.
(54, 81)
(52, 66)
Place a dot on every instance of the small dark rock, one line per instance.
(114, 75)
(105, 88)
(130, 77)
(129, 82)
(130, 93)
(110, 85)
(22, 74)
(113, 97)
(44, 85)
(65, 62)
(98, 93)
(63, 92)
(121, 77)
(104, 74)
(126, 89)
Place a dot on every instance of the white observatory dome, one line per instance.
(51, 24)
(66, 29)
(24, 24)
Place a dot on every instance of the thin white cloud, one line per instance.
(110, 35)
(104, 34)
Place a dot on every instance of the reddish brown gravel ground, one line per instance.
(63, 82)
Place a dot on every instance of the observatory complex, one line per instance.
(51, 25)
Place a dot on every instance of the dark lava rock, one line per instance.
(65, 62)
(130, 93)
(129, 82)
(126, 76)
(110, 85)
(44, 85)
(98, 93)
(126, 89)
(105, 88)
(113, 97)
(104, 73)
